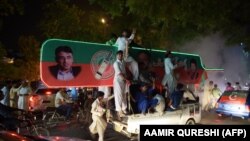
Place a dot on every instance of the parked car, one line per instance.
(42, 98)
(234, 103)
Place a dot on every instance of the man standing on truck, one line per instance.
(119, 85)
(168, 80)
(123, 44)
(176, 97)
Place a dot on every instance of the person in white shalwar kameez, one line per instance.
(119, 85)
(98, 125)
(107, 94)
(13, 95)
(168, 80)
(207, 97)
(123, 45)
(23, 94)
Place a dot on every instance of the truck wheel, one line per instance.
(190, 122)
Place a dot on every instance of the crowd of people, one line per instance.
(13, 101)
(15, 95)
(140, 97)
(212, 93)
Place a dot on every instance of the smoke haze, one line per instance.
(215, 54)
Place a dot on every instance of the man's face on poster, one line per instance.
(65, 60)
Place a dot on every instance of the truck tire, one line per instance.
(190, 122)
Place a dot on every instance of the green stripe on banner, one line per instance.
(86, 53)
(82, 51)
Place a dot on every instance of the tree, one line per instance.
(7, 71)
(61, 21)
(176, 21)
(67, 20)
(9, 7)
(29, 64)
(2, 54)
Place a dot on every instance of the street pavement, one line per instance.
(75, 129)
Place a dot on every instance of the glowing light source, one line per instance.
(13, 134)
(103, 20)
(48, 92)
(31, 98)
(8, 60)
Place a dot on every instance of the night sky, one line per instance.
(17, 25)
(26, 24)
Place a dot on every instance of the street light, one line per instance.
(103, 20)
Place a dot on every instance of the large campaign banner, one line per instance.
(66, 63)
(89, 64)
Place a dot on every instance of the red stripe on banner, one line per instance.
(182, 75)
(86, 77)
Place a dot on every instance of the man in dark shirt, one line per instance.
(7, 116)
(176, 97)
(87, 108)
(142, 98)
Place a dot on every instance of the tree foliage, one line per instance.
(26, 67)
(178, 21)
(29, 64)
(2, 54)
(7, 71)
(67, 20)
(61, 20)
(159, 24)
(10, 7)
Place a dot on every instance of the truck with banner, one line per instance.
(84, 64)
(91, 64)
